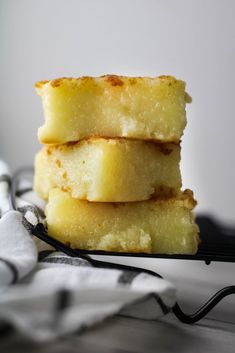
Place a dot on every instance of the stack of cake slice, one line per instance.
(110, 165)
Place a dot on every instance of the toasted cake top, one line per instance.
(112, 81)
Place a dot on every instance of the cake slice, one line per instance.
(109, 170)
(113, 106)
(165, 226)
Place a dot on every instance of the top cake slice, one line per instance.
(113, 106)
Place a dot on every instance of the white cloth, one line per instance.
(57, 294)
(18, 254)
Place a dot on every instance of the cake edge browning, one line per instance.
(113, 80)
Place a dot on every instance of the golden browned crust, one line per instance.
(39, 84)
(164, 148)
(92, 138)
(188, 98)
(187, 198)
(114, 80)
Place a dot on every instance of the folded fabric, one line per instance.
(65, 295)
(18, 253)
(54, 294)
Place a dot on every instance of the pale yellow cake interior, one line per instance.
(109, 170)
(113, 106)
(164, 226)
(110, 165)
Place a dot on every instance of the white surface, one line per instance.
(194, 40)
(124, 335)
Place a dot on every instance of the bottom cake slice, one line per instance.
(163, 226)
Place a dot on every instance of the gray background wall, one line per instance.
(193, 40)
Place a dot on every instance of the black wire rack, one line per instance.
(217, 244)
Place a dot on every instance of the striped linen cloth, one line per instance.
(45, 294)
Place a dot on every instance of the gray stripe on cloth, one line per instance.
(5, 178)
(43, 254)
(29, 208)
(31, 216)
(126, 277)
(63, 300)
(66, 260)
(23, 191)
(13, 269)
